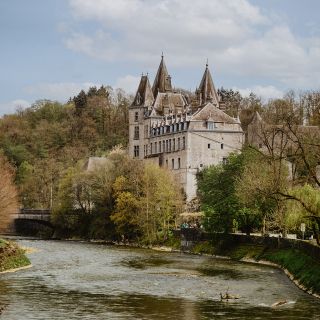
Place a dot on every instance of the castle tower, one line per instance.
(138, 129)
(162, 81)
(206, 91)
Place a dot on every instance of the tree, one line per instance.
(8, 193)
(216, 189)
(257, 187)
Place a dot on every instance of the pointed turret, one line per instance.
(144, 96)
(206, 91)
(162, 81)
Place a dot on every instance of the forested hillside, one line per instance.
(45, 139)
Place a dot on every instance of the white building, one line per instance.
(181, 132)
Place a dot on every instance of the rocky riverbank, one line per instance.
(12, 257)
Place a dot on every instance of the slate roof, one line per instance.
(211, 113)
(162, 81)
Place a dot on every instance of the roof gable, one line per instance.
(211, 113)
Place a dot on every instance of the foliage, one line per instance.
(11, 256)
(44, 140)
(216, 188)
(8, 193)
(121, 199)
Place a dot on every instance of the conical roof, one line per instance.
(207, 89)
(144, 95)
(162, 81)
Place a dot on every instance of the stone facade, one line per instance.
(181, 132)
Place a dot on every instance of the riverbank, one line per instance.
(12, 257)
(301, 268)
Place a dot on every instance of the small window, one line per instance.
(167, 146)
(201, 165)
(174, 145)
(179, 163)
(178, 143)
(151, 151)
(167, 163)
(210, 125)
(224, 160)
(172, 163)
(183, 143)
(136, 151)
(209, 146)
(136, 116)
(160, 146)
(170, 145)
(136, 133)
(221, 146)
(156, 147)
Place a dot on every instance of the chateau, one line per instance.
(181, 131)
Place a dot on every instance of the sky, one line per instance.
(51, 49)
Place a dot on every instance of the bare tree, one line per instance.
(8, 193)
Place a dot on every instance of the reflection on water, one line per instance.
(86, 281)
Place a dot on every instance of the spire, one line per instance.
(162, 81)
(144, 96)
(207, 91)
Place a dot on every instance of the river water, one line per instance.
(75, 280)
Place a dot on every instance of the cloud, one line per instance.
(12, 106)
(129, 83)
(57, 91)
(237, 37)
(265, 92)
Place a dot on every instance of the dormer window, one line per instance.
(136, 116)
(210, 125)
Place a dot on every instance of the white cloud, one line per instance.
(129, 83)
(12, 106)
(265, 92)
(57, 91)
(235, 35)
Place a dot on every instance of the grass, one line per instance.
(11, 256)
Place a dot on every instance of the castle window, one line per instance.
(136, 133)
(221, 146)
(160, 146)
(172, 161)
(177, 127)
(210, 125)
(146, 131)
(151, 151)
(174, 145)
(224, 160)
(168, 129)
(178, 143)
(167, 163)
(183, 143)
(163, 146)
(167, 145)
(136, 151)
(170, 145)
(136, 116)
(209, 146)
(179, 163)
(155, 147)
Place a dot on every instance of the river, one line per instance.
(78, 280)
